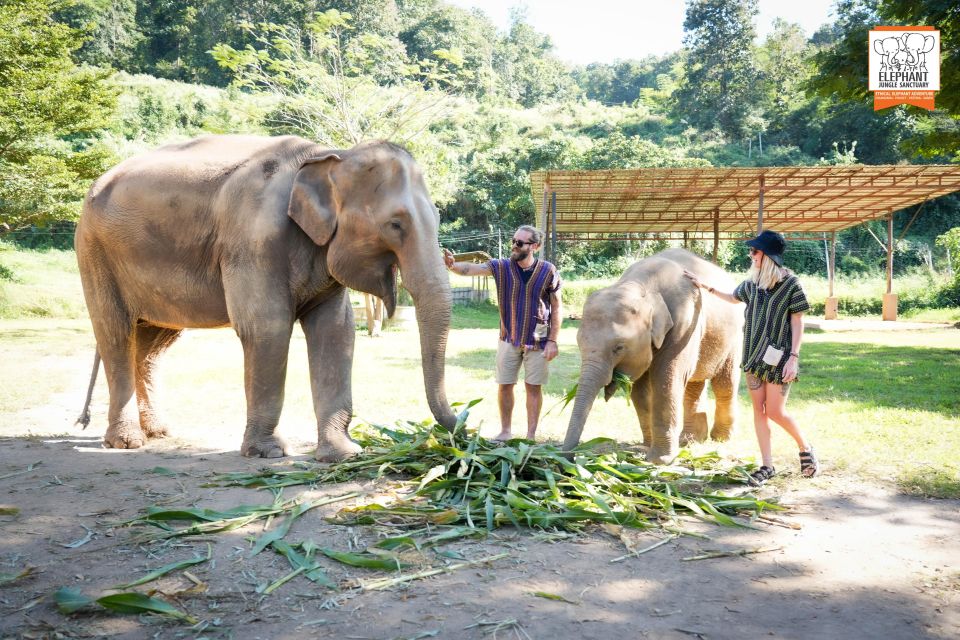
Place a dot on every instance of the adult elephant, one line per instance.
(256, 233)
(656, 328)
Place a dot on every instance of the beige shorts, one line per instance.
(509, 358)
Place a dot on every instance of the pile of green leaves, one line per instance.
(458, 478)
(459, 485)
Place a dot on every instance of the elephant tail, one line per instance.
(84, 418)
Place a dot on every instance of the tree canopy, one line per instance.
(86, 82)
(48, 108)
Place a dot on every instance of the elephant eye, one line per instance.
(396, 225)
(617, 350)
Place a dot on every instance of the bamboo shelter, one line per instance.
(718, 203)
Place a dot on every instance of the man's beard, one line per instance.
(519, 254)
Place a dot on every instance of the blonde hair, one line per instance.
(768, 274)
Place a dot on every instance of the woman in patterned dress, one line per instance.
(772, 335)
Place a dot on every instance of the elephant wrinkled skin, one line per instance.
(256, 233)
(657, 328)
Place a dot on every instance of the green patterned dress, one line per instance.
(768, 323)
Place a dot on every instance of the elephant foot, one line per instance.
(153, 428)
(263, 447)
(721, 433)
(695, 430)
(335, 450)
(659, 456)
(124, 435)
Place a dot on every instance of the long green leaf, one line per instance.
(365, 561)
(164, 570)
(70, 600)
(133, 602)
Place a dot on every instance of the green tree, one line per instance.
(618, 151)
(49, 109)
(721, 67)
(783, 69)
(114, 35)
(595, 80)
(529, 72)
(322, 90)
(455, 44)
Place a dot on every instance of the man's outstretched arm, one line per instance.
(466, 268)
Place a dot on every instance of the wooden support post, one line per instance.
(716, 235)
(760, 209)
(686, 240)
(545, 223)
(553, 227)
(890, 299)
(830, 306)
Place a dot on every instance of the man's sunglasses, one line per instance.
(753, 251)
(519, 243)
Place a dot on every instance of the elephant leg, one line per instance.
(641, 398)
(114, 330)
(694, 420)
(151, 343)
(667, 412)
(329, 333)
(725, 385)
(265, 350)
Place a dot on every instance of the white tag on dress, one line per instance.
(540, 331)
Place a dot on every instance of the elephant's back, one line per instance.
(200, 166)
(191, 186)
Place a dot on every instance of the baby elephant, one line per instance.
(654, 326)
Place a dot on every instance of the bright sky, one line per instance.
(606, 30)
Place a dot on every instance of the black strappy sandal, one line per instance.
(809, 466)
(761, 475)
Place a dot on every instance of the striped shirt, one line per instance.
(524, 304)
(768, 323)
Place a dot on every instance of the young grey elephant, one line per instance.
(654, 326)
(257, 233)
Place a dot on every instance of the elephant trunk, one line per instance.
(433, 300)
(593, 377)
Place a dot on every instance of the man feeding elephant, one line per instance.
(528, 292)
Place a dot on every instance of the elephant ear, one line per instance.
(661, 321)
(314, 203)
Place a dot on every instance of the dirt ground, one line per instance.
(864, 562)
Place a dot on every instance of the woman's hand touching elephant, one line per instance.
(693, 278)
(448, 258)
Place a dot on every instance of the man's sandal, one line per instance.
(809, 466)
(761, 475)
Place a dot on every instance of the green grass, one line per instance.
(886, 406)
(39, 284)
(932, 315)
(878, 405)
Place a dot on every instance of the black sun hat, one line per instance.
(771, 243)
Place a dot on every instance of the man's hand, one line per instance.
(448, 258)
(550, 350)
